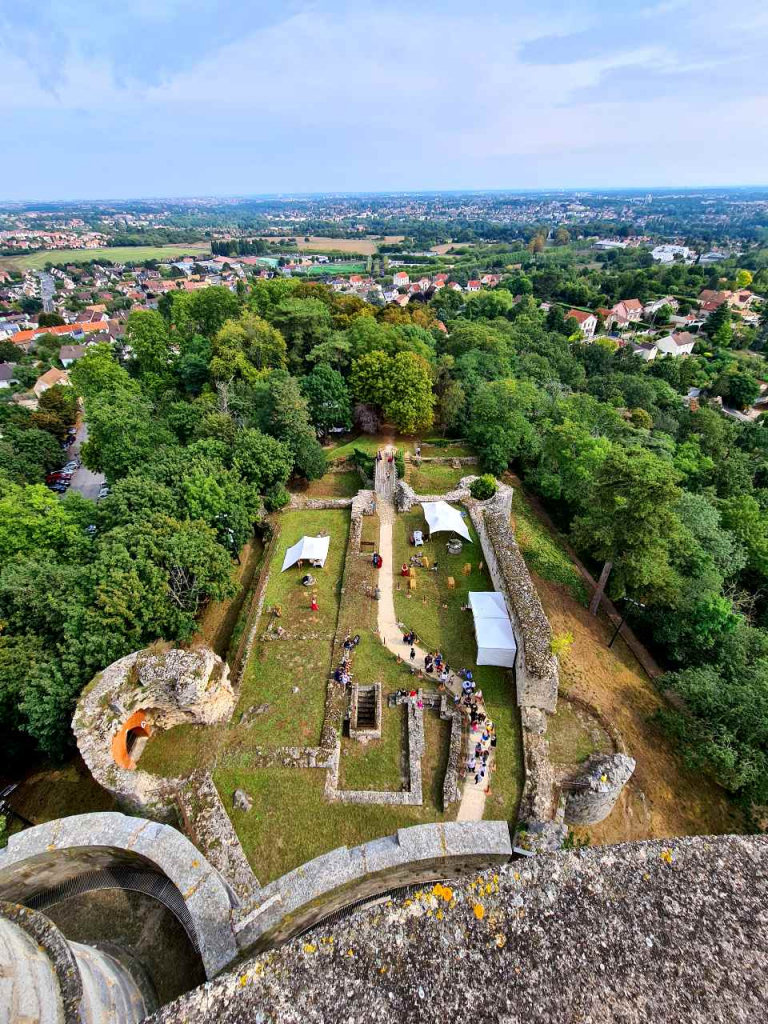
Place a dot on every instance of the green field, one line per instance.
(337, 268)
(116, 254)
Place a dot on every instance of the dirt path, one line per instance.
(472, 805)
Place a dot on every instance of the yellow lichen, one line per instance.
(310, 947)
(479, 911)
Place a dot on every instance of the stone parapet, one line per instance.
(592, 794)
(417, 854)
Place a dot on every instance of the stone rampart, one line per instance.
(59, 851)
(418, 854)
(406, 497)
(209, 827)
(536, 669)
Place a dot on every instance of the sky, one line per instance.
(241, 97)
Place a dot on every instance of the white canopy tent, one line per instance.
(441, 516)
(308, 549)
(496, 643)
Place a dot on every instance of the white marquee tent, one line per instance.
(441, 516)
(310, 549)
(496, 643)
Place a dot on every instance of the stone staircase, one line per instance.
(366, 707)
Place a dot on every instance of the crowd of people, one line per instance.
(342, 674)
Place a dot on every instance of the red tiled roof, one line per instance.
(579, 315)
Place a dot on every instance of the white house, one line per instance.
(646, 352)
(473, 286)
(587, 322)
(401, 279)
(650, 308)
(677, 344)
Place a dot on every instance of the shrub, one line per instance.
(483, 487)
(400, 464)
(363, 460)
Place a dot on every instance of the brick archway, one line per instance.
(135, 726)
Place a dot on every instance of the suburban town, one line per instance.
(383, 514)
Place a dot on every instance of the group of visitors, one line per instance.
(376, 560)
(479, 761)
(390, 460)
(342, 673)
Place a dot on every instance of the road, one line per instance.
(47, 291)
(84, 481)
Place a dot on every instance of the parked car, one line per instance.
(71, 466)
(72, 431)
(103, 491)
(54, 478)
(90, 530)
(60, 487)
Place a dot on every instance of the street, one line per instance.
(84, 481)
(47, 290)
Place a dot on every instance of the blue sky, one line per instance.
(204, 97)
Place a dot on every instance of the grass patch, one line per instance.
(369, 443)
(574, 734)
(457, 450)
(326, 269)
(429, 478)
(332, 485)
(60, 792)
(290, 822)
(116, 254)
(542, 552)
(507, 780)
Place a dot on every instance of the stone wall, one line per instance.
(48, 855)
(406, 497)
(209, 827)
(334, 880)
(170, 688)
(239, 660)
(536, 670)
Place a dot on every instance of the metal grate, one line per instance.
(148, 882)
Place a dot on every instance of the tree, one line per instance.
(483, 487)
(717, 319)
(328, 398)
(630, 523)
(33, 519)
(26, 455)
(97, 374)
(123, 433)
(740, 388)
(452, 405)
(304, 323)
(9, 352)
(285, 415)
(500, 426)
(400, 386)
(147, 334)
(562, 236)
(246, 348)
(50, 320)
(261, 460)
(743, 279)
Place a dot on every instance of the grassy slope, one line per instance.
(429, 478)
(542, 553)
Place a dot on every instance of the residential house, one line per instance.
(587, 322)
(473, 286)
(440, 279)
(678, 344)
(49, 380)
(401, 300)
(424, 283)
(6, 375)
(401, 279)
(455, 286)
(490, 280)
(644, 351)
(629, 310)
(609, 317)
(651, 308)
(710, 300)
(69, 354)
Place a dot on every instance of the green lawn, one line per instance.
(369, 443)
(542, 553)
(332, 485)
(116, 254)
(275, 667)
(452, 450)
(435, 479)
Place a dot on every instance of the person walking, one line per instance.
(413, 654)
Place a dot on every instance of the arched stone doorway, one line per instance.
(128, 742)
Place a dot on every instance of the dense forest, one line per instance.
(223, 402)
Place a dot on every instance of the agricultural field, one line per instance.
(324, 270)
(320, 243)
(115, 254)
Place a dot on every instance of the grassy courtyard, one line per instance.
(431, 478)
(331, 485)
